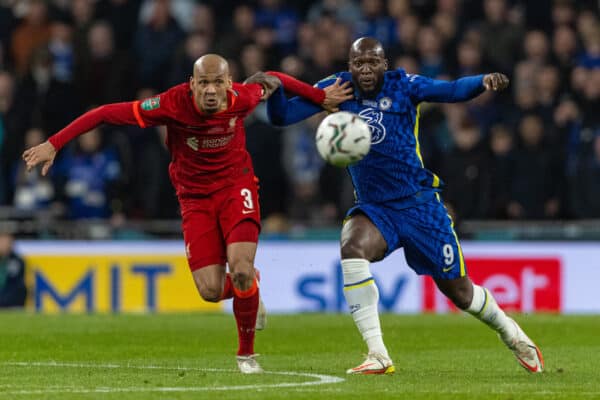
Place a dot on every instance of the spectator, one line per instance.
(407, 63)
(323, 61)
(163, 31)
(154, 195)
(590, 57)
(564, 47)
(82, 13)
(344, 11)
(547, 87)
(12, 122)
(181, 10)
(465, 172)
(501, 170)
(12, 273)
(265, 146)
(376, 23)
(120, 14)
(537, 180)
(33, 192)
(203, 21)
(30, 34)
(501, 38)
(563, 13)
(195, 46)
(61, 50)
(303, 166)
(469, 59)
(104, 74)
(88, 179)
(50, 102)
(398, 9)
(407, 31)
(282, 20)
(585, 188)
(7, 25)
(252, 60)
(240, 34)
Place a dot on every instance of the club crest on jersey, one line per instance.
(385, 103)
(192, 142)
(373, 118)
(151, 103)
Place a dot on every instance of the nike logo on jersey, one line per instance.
(248, 211)
(447, 269)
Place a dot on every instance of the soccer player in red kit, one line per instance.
(212, 173)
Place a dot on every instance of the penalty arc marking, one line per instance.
(319, 379)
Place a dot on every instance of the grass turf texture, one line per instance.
(436, 357)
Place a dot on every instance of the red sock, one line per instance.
(245, 308)
(227, 289)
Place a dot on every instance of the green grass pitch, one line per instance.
(191, 356)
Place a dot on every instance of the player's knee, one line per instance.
(351, 249)
(242, 279)
(210, 294)
(460, 299)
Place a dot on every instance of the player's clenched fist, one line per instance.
(495, 81)
(42, 153)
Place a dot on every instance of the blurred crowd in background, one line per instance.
(532, 152)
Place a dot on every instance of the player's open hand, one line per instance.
(495, 81)
(336, 94)
(42, 153)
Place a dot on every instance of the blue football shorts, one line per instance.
(424, 230)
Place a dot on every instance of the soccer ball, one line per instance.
(343, 139)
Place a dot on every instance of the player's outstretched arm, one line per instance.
(116, 113)
(283, 111)
(463, 89)
(329, 97)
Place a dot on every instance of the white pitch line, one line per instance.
(321, 379)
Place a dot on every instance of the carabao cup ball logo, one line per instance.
(373, 119)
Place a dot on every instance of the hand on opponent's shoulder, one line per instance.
(269, 83)
(495, 81)
(336, 94)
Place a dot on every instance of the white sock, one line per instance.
(484, 308)
(362, 296)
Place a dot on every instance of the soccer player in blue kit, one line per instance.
(398, 200)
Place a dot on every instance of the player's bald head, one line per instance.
(366, 46)
(210, 83)
(367, 64)
(211, 64)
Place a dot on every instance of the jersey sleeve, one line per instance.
(283, 111)
(156, 110)
(328, 81)
(422, 88)
(254, 94)
(115, 113)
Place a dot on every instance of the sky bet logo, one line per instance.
(317, 289)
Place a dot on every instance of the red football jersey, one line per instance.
(208, 151)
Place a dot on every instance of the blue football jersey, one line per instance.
(393, 168)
